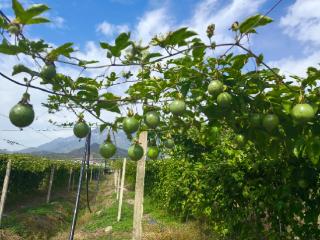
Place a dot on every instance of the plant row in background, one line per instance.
(30, 174)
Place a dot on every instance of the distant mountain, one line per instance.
(72, 145)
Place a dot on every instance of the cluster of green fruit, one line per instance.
(301, 113)
(130, 125)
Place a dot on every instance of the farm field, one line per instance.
(142, 120)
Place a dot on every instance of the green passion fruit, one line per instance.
(240, 140)
(48, 73)
(169, 143)
(135, 152)
(153, 152)
(177, 107)
(215, 87)
(21, 115)
(256, 119)
(152, 119)
(302, 113)
(224, 100)
(107, 149)
(130, 125)
(81, 129)
(270, 122)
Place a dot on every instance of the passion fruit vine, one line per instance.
(22, 114)
(215, 87)
(81, 129)
(256, 119)
(152, 119)
(270, 122)
(130, 125)
(135, 152)
(169, 143)
(177, 107)
(240, 140)
(302, 113)
(48, 73)
(153, 152)
(224, 100)
(107, 149)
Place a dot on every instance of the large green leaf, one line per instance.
(20, 68)
(63, 50)
(17, 8)
(109, 103)
(37, 20)
(9, 49)
(35, 10)
(179, 37)
(249, 25)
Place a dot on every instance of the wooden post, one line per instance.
(5, 189)
(70, 177)
(123, 175)
(50, 184)
(139, 189)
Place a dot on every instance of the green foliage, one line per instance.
(30, 15)
(30, 174)
(270, 179)
(249, 25)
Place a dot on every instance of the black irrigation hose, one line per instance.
(76, 207)
(88, 165)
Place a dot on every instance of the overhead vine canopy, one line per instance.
(189, 82)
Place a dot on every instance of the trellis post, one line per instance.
(50, 184)
(5, 189)
(123, 175)
(139, 189)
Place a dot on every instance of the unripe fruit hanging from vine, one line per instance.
(22, 114)
(135, 152)
(81, 129)
(302, 113)
(177, 107)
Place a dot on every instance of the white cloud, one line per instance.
(302, 21)
(57, 22)
(153, 22)
(294, 66)
(209, 12)
(110, 30)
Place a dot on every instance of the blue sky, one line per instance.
(291, 42)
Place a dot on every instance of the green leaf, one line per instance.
(35, 10)
(103, 127)
(63, 50)
(198, 51)
(109, 103)
(17, 8)
(9, 49)
(122, 41)
(179, 37)
(105, 45)
(3, 23)
(249, 25)
(20, 68)
(150, 56)
(37, 21)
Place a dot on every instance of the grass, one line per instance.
(39, 222)
(108, 217)
(52, 221)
